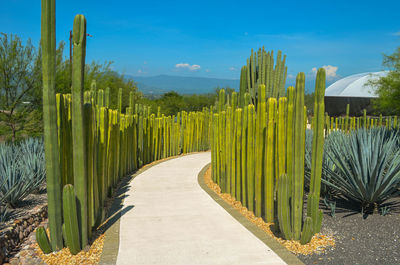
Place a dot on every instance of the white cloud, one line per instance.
(140, 71)
(145, 62)
(193, 67)
(290, 76)
(329, 69)
(232, 68)
(396, 34)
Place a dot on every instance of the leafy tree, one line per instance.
(18, 66)
(21, 85)
(388, 87)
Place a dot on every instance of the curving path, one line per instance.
(174, 221)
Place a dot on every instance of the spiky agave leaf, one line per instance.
(32, 162)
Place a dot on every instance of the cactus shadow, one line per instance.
(346, 208)
(115, 205)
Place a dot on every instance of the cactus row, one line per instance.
(107, 144)
(258, 155)
(260, 70)
(347, 123)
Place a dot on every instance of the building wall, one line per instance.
(336, 106)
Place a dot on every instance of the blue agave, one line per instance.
(22, 170)
(363, 166)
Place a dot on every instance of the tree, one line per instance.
(388, 87)
(18, 65)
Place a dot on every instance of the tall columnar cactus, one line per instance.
(260, 71)
(365, 118)
(70, 226)
(269, 161)
(131, 102)
(243, 86)
(120, 100)
(50, 123)
(259, 149)
(221, 100)
(346, 126)
(244, 157)
(93, 91)
(78, 133)
(298, 158)
(250, 157)
(313, 210)
(107, 97)
(238, 156)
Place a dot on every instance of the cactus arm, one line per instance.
(43, 240)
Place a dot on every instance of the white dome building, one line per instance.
(351, 90)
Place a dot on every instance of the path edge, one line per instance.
(109, 254)
(280, 250)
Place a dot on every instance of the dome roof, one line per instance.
(354, 86)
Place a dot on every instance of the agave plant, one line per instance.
(22, 170)
(363, 166)
(32, 162)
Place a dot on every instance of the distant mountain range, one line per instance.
(160, 84)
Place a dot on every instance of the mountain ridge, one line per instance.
(159, 84)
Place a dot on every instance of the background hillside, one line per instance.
(160, 84)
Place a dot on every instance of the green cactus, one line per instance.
(298, 158)
(269, 161)
(307, 232)
(71, 228)
(120, 100)
(53, 170)
(283, 203)
(107, 97)
(313, 210)
(259, 148)
(78, 133)
(346, 126)
(244, 157)
(43, 240)
(237, 147)
(250, 157)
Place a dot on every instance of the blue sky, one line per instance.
(214, 38)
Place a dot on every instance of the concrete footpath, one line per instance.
(174, 221)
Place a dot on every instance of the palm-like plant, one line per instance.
(363, 166)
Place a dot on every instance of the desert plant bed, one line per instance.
(369, 239)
